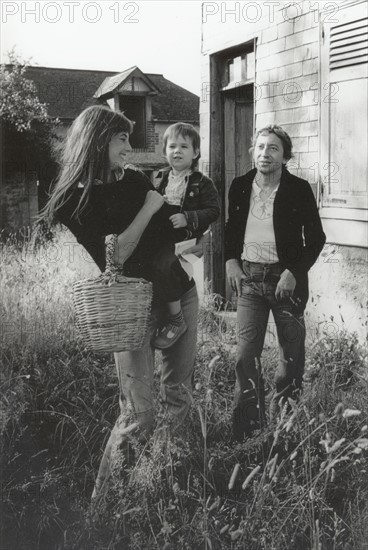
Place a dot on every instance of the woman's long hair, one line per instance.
(84, 155)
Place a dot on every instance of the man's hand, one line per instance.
(235, 275)
(178, 220)
(286, 285)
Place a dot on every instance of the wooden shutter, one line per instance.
(344, 114)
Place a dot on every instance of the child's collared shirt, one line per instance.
(200, 203)
(176, 187)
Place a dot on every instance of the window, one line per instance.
(239, 69)
(229, 74)
(344, 116)
(134, 107)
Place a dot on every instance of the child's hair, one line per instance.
(280, 133)
(186, 130)
(84, 155)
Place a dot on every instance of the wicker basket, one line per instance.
(113, 311)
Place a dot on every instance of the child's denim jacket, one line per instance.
(200, 206)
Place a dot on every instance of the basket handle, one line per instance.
(112, 269)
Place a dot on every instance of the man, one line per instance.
(273, 236)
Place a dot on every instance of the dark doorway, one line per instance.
(238, 132)
(134, 107)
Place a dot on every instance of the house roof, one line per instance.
(174, 103)
(113, 84)
(68, 91)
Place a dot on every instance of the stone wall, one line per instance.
(18, 198)
(339, 292)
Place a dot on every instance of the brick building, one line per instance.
(303, 65)
(151, 100)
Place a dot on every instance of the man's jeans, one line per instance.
(135, 373)
(258, 297)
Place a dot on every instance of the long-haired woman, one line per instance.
(96, 195)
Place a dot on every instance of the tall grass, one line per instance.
(300, 484)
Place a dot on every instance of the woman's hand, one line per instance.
(286, 285)
(235, 275)
(153, 202)
(178, 220)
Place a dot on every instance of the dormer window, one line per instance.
(131, 92)
(134, 108)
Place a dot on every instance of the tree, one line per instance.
(28, 137)
(19, 104)
(27, 129)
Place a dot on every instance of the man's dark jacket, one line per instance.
(298, 230)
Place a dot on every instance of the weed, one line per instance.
(298, 485)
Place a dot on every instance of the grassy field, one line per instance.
(301, 485)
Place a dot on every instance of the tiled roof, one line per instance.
(68, 91)
(174, 103)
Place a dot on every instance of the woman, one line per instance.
(96, 196)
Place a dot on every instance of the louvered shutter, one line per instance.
(344, 115)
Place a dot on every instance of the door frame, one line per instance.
(214, 260)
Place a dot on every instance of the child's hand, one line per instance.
(178, 220)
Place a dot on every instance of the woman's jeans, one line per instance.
(135, 373)
(254, 305)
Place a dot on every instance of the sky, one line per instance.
(158, 36)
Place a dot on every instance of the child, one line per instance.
(194, 204)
